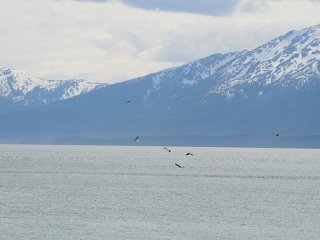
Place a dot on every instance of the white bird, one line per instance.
(167, 149)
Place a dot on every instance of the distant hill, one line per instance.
(252, 98)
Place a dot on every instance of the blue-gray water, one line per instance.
(88, 192)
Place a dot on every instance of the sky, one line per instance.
(116, 40)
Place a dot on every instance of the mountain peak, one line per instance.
(25, 89)
(315, 27)
(291, 60)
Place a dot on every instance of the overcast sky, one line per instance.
(115, 40)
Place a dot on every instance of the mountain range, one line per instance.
(20, 90)
(268, 96)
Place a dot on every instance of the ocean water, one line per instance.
(103, 192)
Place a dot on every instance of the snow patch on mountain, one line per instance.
(291, 60)
(189, 74)
(23, 88)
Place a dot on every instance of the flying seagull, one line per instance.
(136, 139)
(128, 101)
(189, 154)
(167, 149)
(179, 166)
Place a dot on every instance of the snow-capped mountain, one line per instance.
(24, 89)
(269, 91)
(291, 60)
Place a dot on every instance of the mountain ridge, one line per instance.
(268, 91)
(25, 90)
(260, 65)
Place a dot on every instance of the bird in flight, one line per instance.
(179, 166)
(167, 149)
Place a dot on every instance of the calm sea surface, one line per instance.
(90, 192)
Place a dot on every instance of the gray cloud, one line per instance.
(114, 40)
(206, 7)
(209, 7)
(250, 6)
(101, 1)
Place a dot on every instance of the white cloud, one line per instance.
(112, 41)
